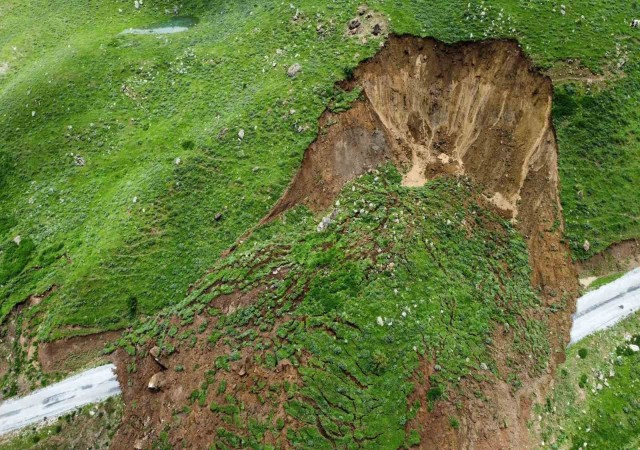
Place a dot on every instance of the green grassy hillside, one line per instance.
(595, 398)
(125, 229)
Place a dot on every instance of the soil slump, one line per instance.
(478, 109)
(475, 109)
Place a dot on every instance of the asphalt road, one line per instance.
(605, 306)
(53, 401)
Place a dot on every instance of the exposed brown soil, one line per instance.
(185, 370)
(476, 109)
(66, 355)
(619, 257)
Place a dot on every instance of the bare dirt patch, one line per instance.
(620, 257)
(67, 355)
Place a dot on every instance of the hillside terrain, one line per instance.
(320, 224)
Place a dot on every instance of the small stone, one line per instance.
(377, 30)
(586, 245)
(218, 217)
(354, 24)
(324, 224)
(483, 366)
(634, 348)
(177, 161)
(380, 321)
(17, 240)
(293, 70)
(156, 382)
(136, 4)
(241, 134)
(33, 113)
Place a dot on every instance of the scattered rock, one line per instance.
(586, 245)
(634, 348)
(377, 30)
(137, 4)
(218, 217)
(241, 134)
(17, 240)
(177, 161)
(362, 9)
(635, 23)
(294, 70)
(79, 160)
(483, 366)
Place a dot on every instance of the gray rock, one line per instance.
(586, 245)
(483, 366)
(294, 70)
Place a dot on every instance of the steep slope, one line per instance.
(416, 283)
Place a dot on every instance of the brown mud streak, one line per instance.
(478, 109)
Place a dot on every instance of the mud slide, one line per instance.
(479, 110)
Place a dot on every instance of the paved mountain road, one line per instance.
(607, 305)
(53, 401)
